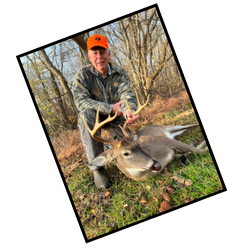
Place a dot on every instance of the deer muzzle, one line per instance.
(155, 167)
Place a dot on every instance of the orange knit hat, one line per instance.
(97, 40)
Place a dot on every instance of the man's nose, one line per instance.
(99, 55)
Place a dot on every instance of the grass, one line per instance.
(128, 201)
(203, 175)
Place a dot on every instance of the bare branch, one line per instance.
(83, 46)
(72, 52)
(59, 77)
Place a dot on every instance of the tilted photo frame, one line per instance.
(143, 49)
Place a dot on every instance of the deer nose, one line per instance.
(156, 166)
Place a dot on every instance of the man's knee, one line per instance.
(87, 112)
(89, 115)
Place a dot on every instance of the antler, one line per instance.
(140, 107)
(98, 126)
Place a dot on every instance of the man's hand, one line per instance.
(131, 117)
(117, 107)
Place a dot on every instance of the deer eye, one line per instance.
(126, 154)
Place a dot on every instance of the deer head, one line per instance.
(130, 158)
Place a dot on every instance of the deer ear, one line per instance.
(102, 159)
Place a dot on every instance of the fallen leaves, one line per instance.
(107, 193)
(188, 183)
(164, 206)
(165, 197)
(83, 159)
(178, 179)
(83, 196)
(143, 200)
(181, 181)
(155, 199)
(163, 183)
(170, 190)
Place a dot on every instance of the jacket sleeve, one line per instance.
(83, 98)
(126, 92)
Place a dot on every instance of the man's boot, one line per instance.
(101, 178)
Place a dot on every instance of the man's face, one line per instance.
(99, 57)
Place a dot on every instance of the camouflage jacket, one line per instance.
(90, 91)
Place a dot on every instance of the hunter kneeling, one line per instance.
(105, 85)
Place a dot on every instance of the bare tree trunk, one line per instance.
(131, 62)
(61, 79)
(163, 61)
(83, 47)
(45, 91)
(65, 119)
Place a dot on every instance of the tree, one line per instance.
(138, 44)
(138, 40)
(80, 40)
(61, 79)
(47, 91)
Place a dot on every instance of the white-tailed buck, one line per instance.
(145, 153)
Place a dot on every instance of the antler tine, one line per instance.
(140, 107)
(124, 129)
(98, 126)
(138, 100)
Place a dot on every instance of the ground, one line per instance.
(127, 201)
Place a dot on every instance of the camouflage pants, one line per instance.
(91, 146)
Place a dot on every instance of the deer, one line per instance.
(147, 152)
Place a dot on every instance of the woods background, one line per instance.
(138, 44)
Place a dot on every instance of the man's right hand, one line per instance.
(117, 107)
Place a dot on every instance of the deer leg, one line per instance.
(202, 145)
(174, 131)
(199, 147)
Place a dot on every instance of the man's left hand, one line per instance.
(131, 117)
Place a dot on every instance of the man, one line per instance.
(104, 84)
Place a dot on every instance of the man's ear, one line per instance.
(102, 159)
(89, 57)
